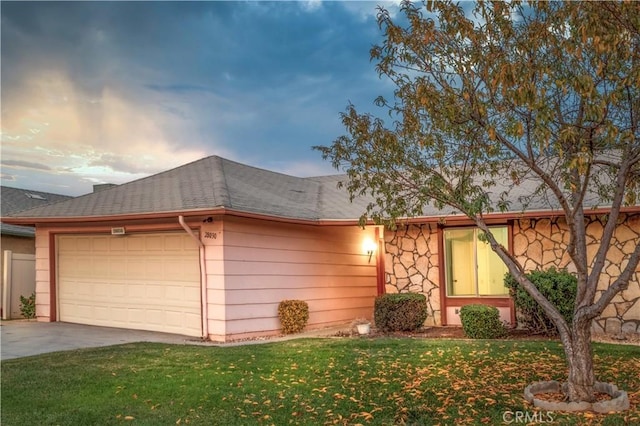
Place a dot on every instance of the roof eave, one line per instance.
(35, 221)
(529, 214)
(446, 218)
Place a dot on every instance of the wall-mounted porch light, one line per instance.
(369, 247)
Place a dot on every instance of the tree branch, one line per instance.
(621, 283)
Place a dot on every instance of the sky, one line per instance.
(110, 92)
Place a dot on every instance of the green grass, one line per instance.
(312, 381)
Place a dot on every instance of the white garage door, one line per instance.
(138, 281)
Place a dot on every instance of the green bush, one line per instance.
(293, 315)
(482, 322)
(559, 287)
(28, 306)
(400, 311)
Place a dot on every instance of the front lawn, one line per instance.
(378, 381)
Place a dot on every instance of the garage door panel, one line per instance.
(117, 244)
(100, 267)
(134, 245)
(176, 292)
(154, 244)
(76, 267)
(136, 270)
(136, 292)
(117, 268)
(100, 245)
(149, 282)
(102, 313)
(83, 244)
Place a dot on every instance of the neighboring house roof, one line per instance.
(217, 184)
(14, 200)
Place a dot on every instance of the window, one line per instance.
(472, 268)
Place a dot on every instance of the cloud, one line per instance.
(366, 10)
(310, 5)
(179, 88)
(302, 168)
(54, 123)
(112, 91)
(25, 165)
(7, 177)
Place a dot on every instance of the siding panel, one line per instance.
(267, 262)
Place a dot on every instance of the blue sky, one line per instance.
(96, 92)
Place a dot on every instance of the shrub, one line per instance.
(28, 306)
(482, 322)
(293, 315)
(400, 311)
(559, 287)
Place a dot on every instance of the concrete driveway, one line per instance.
(20, 338)
(25, 338)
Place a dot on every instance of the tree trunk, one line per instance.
(580, 361)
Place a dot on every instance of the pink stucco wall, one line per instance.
(43, 293)
(252, 265)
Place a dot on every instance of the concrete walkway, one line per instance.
(20, 338)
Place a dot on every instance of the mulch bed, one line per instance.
(559, 396)
(450, 332)
(454, 332)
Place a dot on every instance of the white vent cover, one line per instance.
(117, 231)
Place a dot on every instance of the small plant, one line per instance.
(559, 287)
(482, 322)
(28, 306)
(293, 315)
(400, 311)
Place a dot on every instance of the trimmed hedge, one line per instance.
(400, 311)
(482, 322)
(293, 315)
(558, 286)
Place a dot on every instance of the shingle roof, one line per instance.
(215, 182)
(210, 183)
(15, 200)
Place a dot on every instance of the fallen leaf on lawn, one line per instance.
(366, 416)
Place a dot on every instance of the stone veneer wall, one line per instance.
(411, 263)
(540, 244)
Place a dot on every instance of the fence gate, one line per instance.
(18, 279)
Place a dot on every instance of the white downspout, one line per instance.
(203, 277)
